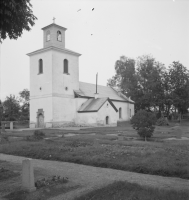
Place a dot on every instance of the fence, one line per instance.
(16, 124)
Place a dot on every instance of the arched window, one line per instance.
(107, 120)
(59, 36)
(120, 113)
(65, 66)
(40, 66)
(48, 35)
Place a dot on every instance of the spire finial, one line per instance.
(54, 20)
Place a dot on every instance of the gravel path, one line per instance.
(90, 178)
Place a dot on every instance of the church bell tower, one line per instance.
(54, 75)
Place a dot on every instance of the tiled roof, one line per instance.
(88, 89)
(93, 105)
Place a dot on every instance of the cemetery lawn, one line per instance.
(126, 191)
(100, 147)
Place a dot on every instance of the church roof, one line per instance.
(53, 24)
(53, 48)
(88, 90)
(93, 105)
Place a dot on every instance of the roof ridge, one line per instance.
(94, 84)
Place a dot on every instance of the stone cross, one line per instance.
(54, 20)
(28, 175)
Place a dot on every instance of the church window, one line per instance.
(65, 66)
(107, 120)
(120, 113)
(48, 36)
(59, 36)
(40, 66)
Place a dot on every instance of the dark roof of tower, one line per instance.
(53, 24)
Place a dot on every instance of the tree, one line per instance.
(179, 87)
(11, 108)
(24, 100)
(140, 80)
(16, 16)
(144, 123)
(24, 96)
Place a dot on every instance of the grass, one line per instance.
(41, 194)
(128, 191)
(157, 157)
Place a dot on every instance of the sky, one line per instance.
(102, 31)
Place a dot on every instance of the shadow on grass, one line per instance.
(128, 191)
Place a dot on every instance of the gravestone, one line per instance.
(28, 175)
(11, 125)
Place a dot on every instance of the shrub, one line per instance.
(144, 123)
(162, 122)
(38, 134)
(4, 138)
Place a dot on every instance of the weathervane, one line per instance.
(54, 20)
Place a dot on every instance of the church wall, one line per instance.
(87, 118)
(125, 107)
(65, 83)
(63, 111)
(41, 103)
(107, 110)
(44, 80)
(40, 87)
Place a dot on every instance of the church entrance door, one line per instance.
(40, 121)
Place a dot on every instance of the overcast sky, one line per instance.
(103, 34)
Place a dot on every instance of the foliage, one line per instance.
(38, 134)
(179, 84)
(144, 122)
(158, 157)
(152, 86)
(24, 100)
(52, 180)
(4, 138)
(16, 108)
(11, 108)
(162, 122)
(16, 16)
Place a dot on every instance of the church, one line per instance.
(59, 99)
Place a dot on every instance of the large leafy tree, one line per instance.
(11, 108)
(179, 86)
(140, 80)
(150, 73)
(24, 101)
(151, 85)
(16, 16)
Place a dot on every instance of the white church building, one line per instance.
(58, 98)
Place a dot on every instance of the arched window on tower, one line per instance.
(40, 66)
(48, 35)
(65, 66)
(59, 36)
(120, 113)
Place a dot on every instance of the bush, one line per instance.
(38, 134)
(162, 122)
(144, 123)
(4, 138)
